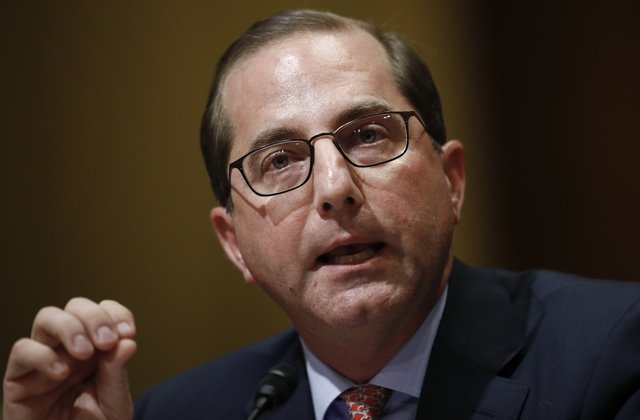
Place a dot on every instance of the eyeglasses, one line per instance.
(286, 165)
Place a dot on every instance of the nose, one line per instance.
(336, 186)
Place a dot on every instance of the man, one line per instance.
(325, 144)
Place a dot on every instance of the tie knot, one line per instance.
(365, 402)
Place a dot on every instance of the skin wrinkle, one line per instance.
(294, 92)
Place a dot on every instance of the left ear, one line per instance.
(453, 165)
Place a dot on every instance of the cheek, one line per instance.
(405, 185)
(413, 196)
(290, 208)
(270, 244)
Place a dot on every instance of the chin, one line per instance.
(363, 305)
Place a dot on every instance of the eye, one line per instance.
(283, 158)
(368, 136)
(276, 161)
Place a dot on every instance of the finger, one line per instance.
(121, 316)
(53, 326)
(97, 322)
(112, 384)
(28, 355)
(86, 405)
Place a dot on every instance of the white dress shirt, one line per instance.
(403, 374)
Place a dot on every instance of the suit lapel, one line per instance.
(479, 338)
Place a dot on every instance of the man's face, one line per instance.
(352, 245)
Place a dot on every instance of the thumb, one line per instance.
(112, 383)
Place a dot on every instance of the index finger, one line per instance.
(53, 326)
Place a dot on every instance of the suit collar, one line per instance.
(479, 337)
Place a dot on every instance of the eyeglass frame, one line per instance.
(406, 115)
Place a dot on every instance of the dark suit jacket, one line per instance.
(536, 345)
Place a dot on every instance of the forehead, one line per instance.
(304, 81)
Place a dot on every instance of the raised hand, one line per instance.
(73, 365)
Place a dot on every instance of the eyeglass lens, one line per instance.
(286, 165)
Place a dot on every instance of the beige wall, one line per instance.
(105, 195)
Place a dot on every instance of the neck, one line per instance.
(358, 357)
(359, 352)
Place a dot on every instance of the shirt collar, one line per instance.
(404, 372)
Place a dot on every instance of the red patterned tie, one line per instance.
(365, 402)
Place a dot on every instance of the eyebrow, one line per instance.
(360, 110)
(273, 135)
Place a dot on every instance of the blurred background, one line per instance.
(104, 193)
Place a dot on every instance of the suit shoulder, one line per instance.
(562, 292)
(552, 288)
(570, 305)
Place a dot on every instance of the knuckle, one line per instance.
(77, 302)
(53, 324)
(43, 319)
(109, 303)
(116, 308)
(45, 313)
(20, 346)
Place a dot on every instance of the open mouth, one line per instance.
(351, 254)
